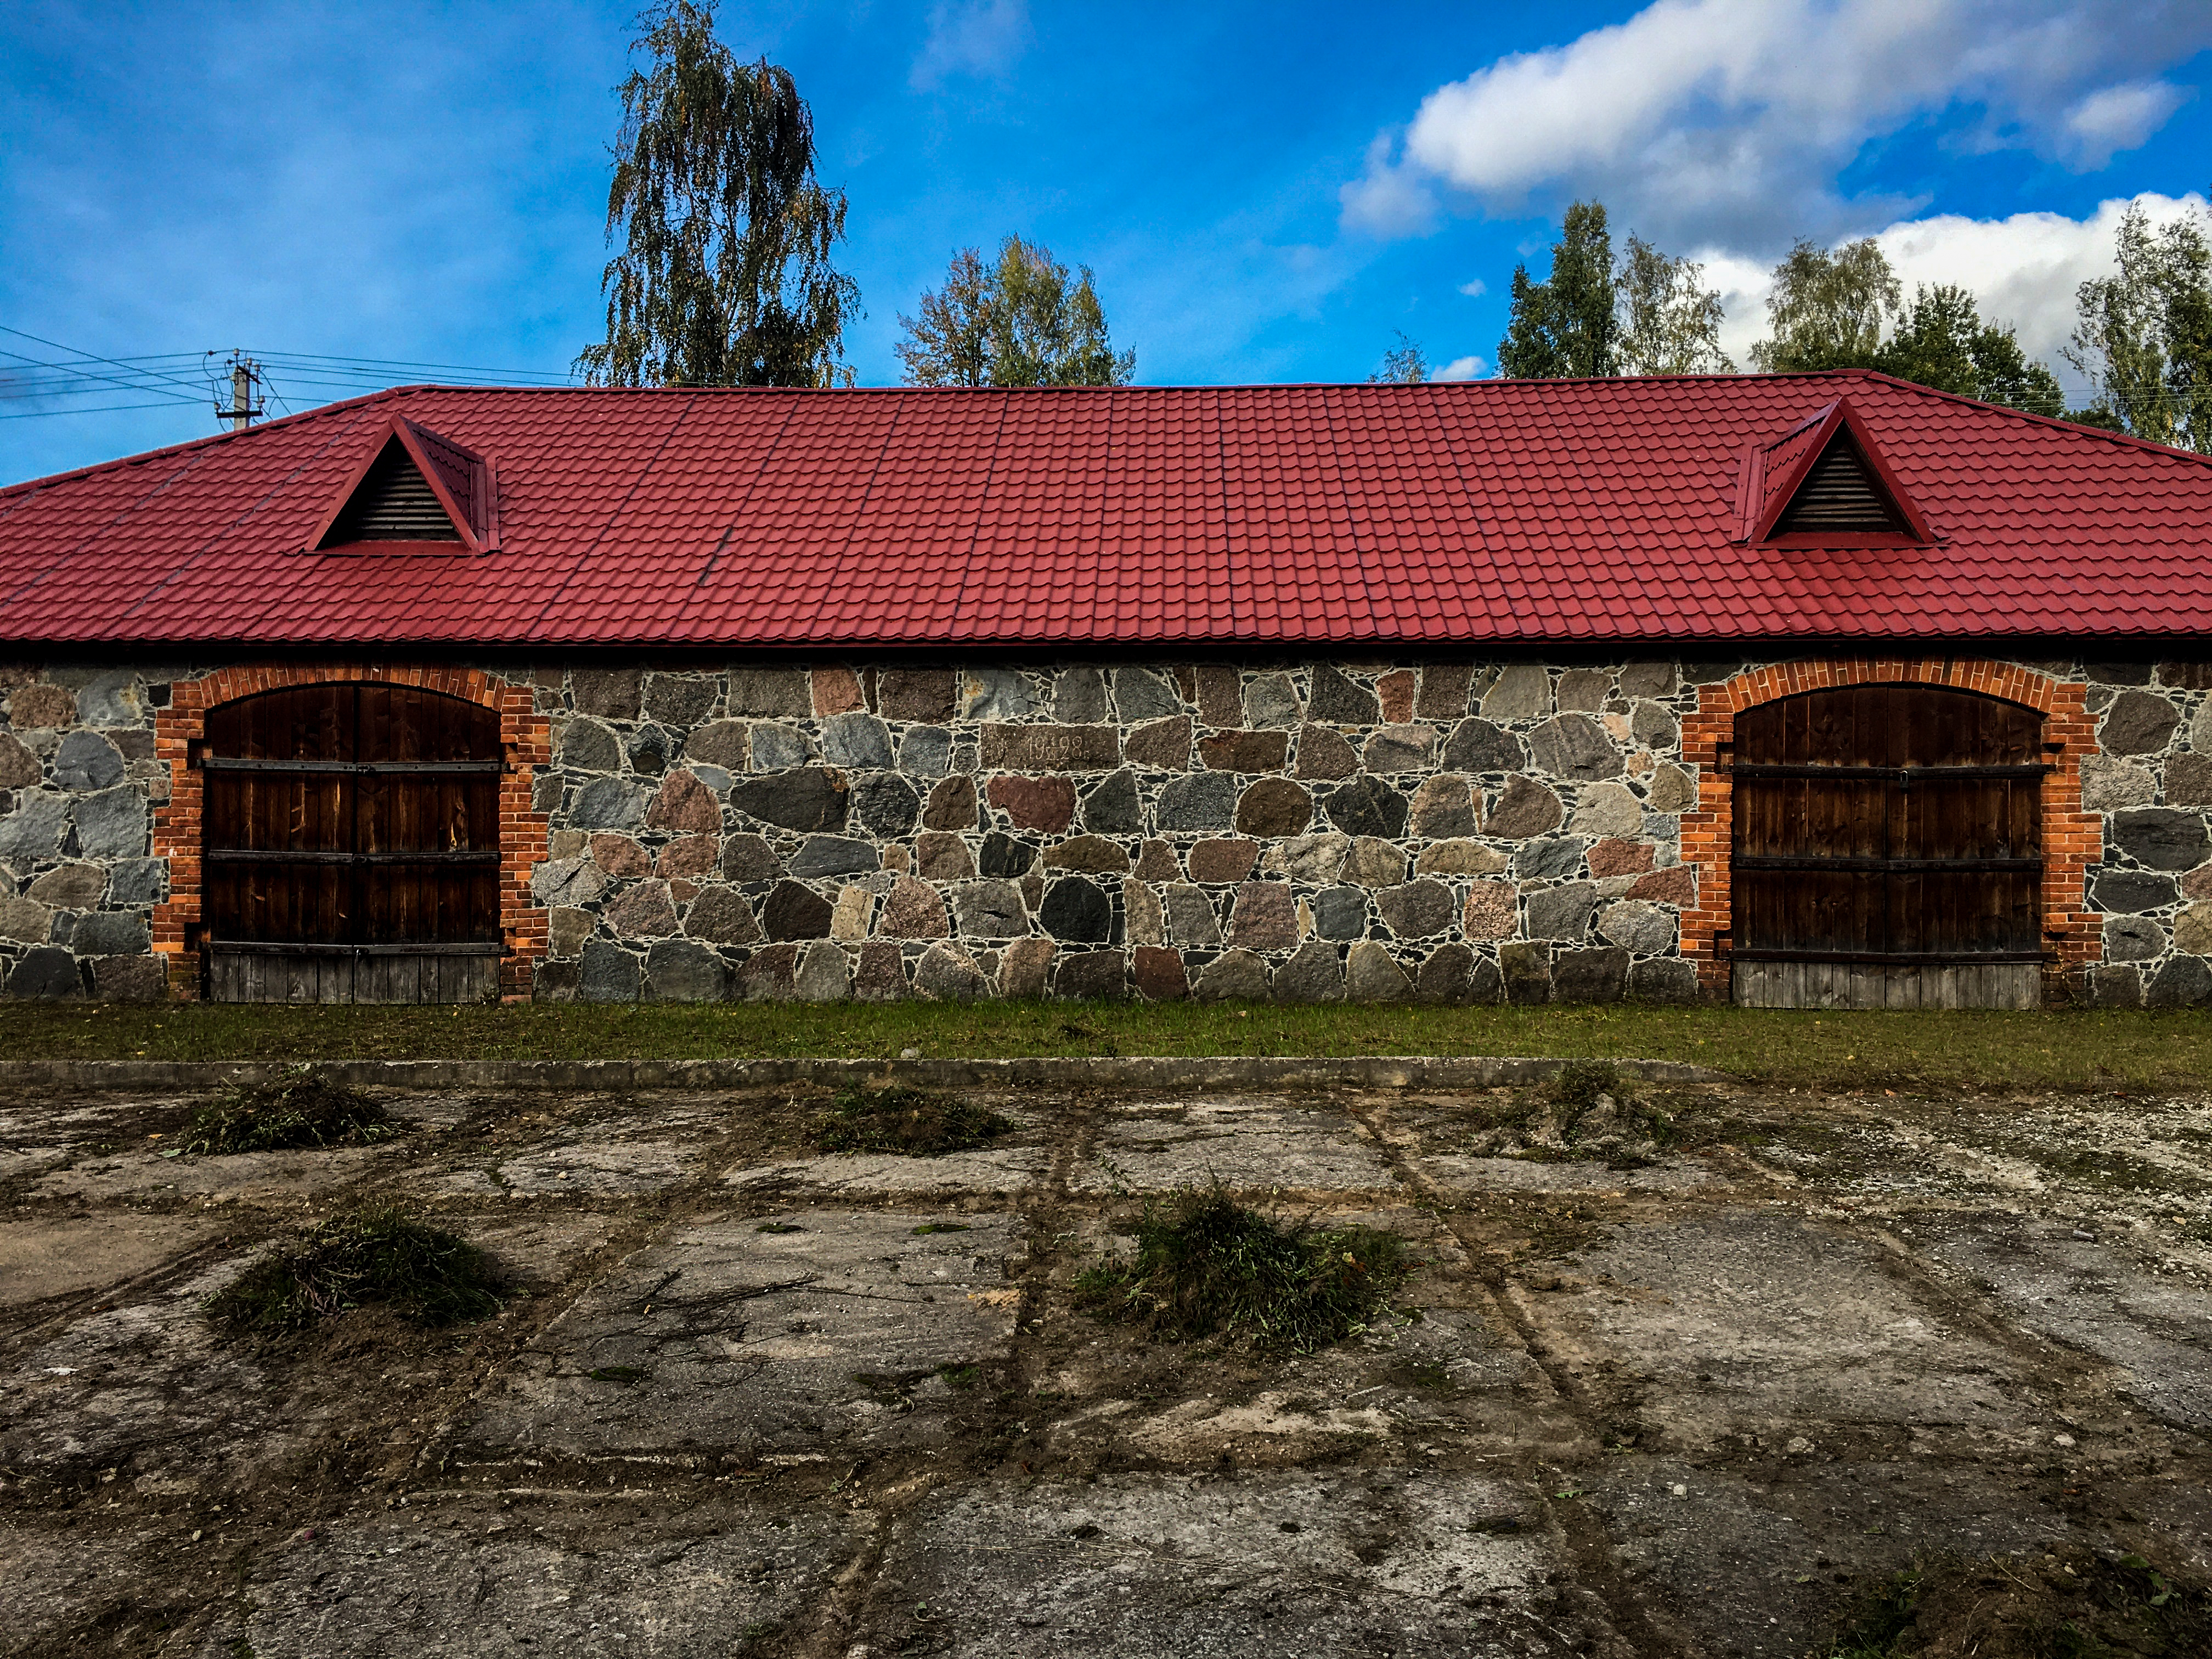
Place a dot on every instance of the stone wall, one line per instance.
(1378, 830)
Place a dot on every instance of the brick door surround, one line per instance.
(2072, 839)
(526, 742)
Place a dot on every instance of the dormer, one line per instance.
(1825, 484)
(413, 491)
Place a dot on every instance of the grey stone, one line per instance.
(811, 797)
(2118, 673)
(2117, 987)
(1607, 809)
(834, 855)
(1078, 696)
(1367, 807)
(2137, 723)
(1476, 745)
(1596, 976)
(1641, 928)
(586, 745)
(1191, 920)
(2109, 783)
(750, 858)
(861, 741)
(1265, 917)
(131, 979)
(2131, 891)
(1647, 679)
(990, 909)
(722, 744)
(682, 700)
(950, 974)
(1077, 911)
(32, 832)
(566, 930)
(115, 698)
(19, 768)
(648, 751)
(1673, 789)
(1417, 909)
(48, 971)
(1273, 807)
(2182, 982)
(793, 912)
(1400, 749)
(1050, 748)
(618, 694)
(112, 825)
(572, 882)
(2162, 838)
(73, 886)
(1375, 862)
(1113, 807)
(1200, 800)
(546, 789)
(1583, 688)
(1444, 806)
(1090, 976)
(1140, 694)
(996, 694)
(1522, 692)
(24, 920)
(1447, 977)
(1340, 913)
(2133, 939)
(1003, 855)
(1340, 702)
(916, 694)
(87, 761)
(1525, 807)
(609, 803)
(1550, 858)
(1575, 746)
(608, 973)
(766, 976)
(780, 748)
(1371, 976)
(112, 933)
(1654, 728)
(679, 970)
(887, 804)
(771, 693)
(1232, 977)
(1664, 979)
(1525, 970)
(924, 751)
(823, 974)
(1562, 913)
(1271, 700)
(1311, 975)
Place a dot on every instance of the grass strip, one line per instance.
(373, 1254)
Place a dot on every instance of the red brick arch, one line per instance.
(2072, 839)
(525, 737)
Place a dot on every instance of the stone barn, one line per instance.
(1814, 689)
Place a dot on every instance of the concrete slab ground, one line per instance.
(748, 1399)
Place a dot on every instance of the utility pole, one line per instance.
(243, 412)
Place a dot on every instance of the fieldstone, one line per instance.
(1165, 746)
(793, 912)
(1222, 860)
(1418, 910)
(750, 858)
(546, 788)
(1340, 913)
(1140, 694)
(1647, 679)
(834, 855)
(1367, 807)
(2181, 982)
(770, 692)
(1113, 807)
(1004, 856)
(949, 974)
(683, 970)
(112, 933)
(721, 743)
(87, 761)
(609, 803)
(2186, 675)
(1244, 751)
(781, 748)
(1491, 910)
(1273, 807)
(621, 855)
(1562, 913)
(1141, 914)
(996, 694)
(1191, 920)
(2162, 838)
(938, 856)
(610, 974)
(1271, 700)
(924, 751)
(1311, 975)
(19, 767)
(836, 691)
(1673, 789)
(990, 909)
(1325, 754)
(1606, 809)
(1371, 976)
(684, 807)
(1459, 858)
(1445, 805)
(32, 833)
(767, 976)
(72, 887)
(2117, 987)
(810, 798)
(116, 698)
(2131, 891)
(644, 911)
(951, 805)
(1594, 976)
(2189, 781)
(566, 930)
(1339, 701)
(1090, 976)
(1046, 803)
(2109, 783)
(1202, 800)
(1158, 974)
(24, 920)
(2192, 931)
(880, 974)
(680, 699)
(48, 971)
(1620, 857)
(131, 979)
(1663, 979)
(1314, 857)
(112, 825)
(1025, 969)
(858, 741)
(1265, 918)
(1232, 977)
(1583, 688)
(823, 974)
(1400, 749)
(1078, 696)
(567, 881)
(1641, 928)
(2133, 939)
(2200, 729)
(1051, 748)
(915, 694)
(1522, 692)
(1088, 855)
(616, 694)
(33, 708)
(886, 804)
(648, 751)
(1446, 688)
(1677, 884)
(1654, 728)
(1549, 858)
(1525, 970)
(1220, 695)
(1077, 911)
(1395, 690)
(1575, 746)
(2198, 883)
(1373, 862)
(2137, 723)
(1525, 807)
(1447, 977)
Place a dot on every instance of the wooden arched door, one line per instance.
(351, 846)
(1888, 850)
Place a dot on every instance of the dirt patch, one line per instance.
(2078, 1605)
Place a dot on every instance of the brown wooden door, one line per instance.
(351, 846)
(1888, 850)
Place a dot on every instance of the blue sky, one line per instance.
(1266, 192)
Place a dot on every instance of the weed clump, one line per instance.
(917, 1122)
(1587, 1110)
(1205, 1264)
(375, 1255)
(299, 1107)
(2082, 1607)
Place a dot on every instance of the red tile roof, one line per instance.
(1487, 512)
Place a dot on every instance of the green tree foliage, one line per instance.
(2144, 338)
(1649, 314)
(724, 276)
(1404, 364)
(1941, 342)
(1026, 321)
(1828, 310)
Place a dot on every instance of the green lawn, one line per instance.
(2071, 1049)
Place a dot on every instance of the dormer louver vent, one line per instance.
(1824, 480)
(413, 492)
(1839, 495)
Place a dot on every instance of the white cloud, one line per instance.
(1729, 119)
(1463, 369)
(1475, 289)
(971, 37)
(1385, 200)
